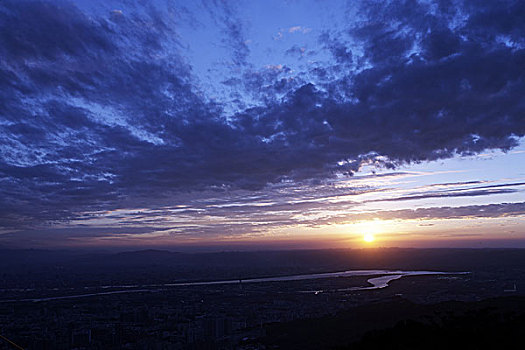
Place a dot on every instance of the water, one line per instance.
(386, 276)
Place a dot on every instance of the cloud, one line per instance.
(100, 113)
(296, 51)
(233, 28)
(299, 29)
(471, 211)
(339, 50)
(461, 192)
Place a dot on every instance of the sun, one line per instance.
(368, 237)
(368, 232)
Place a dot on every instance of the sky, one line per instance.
(262, 124)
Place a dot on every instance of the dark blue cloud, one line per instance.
(104, 111)
(469, 211)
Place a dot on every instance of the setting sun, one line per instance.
(369, 229)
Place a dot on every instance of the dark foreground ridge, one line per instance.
(495, 323)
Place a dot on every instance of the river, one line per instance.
(385, 276)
